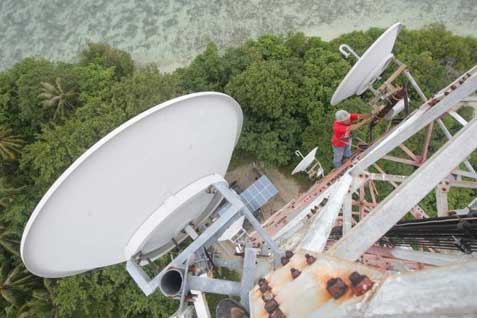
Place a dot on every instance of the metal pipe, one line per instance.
(415, 85)
(214, 286)
(171, 282)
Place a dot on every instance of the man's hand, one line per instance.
(364, 116)
(363, 119)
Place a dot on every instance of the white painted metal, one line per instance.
(368, 68)
(441, 200)
(440, 292)
(305, 162)
(448, 135)
(405, 197)
(214, 286)
(458, 118)
(347, 213)
(248, 275)
(436, 259)
(200, 304)
(233, 230)
(386, 177)
(88, 216)
(317, 236)
(397, 108)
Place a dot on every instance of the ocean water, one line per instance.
(171, 32)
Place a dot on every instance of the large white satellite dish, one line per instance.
(369, 67)
(135, 189)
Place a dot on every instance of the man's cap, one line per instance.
(342, 115)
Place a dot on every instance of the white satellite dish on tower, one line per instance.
(136, 189)
(309, 164)
(368, 67)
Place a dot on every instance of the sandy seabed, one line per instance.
(170, 32)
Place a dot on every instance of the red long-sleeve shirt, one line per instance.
(341, 133)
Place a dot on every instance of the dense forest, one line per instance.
(51, 112)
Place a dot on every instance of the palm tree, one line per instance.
(10, 144)
(7, 194)
(9, 240)
(13, 282)
(53, 95)
(40, 305)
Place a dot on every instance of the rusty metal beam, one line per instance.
(408, 152)
(416, 122)
(427, 141)
(401, 160)
(408, 195)
(416, 211)
(463, 184)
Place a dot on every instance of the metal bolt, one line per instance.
(277, 314)
(295, 273)
(263, 285)
(360, 283)
(267, 296)
(284, 260)
(271, 305)
(336, 287)
(310, 259)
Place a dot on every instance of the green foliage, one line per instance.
(116, 293)
(283, 83)
(268, 98)
(205, 73)
(108, 57)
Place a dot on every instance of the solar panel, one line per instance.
(259, 193)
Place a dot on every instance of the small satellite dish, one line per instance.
(369, 66)
(136, 189)
(309, 164)
(305, 162)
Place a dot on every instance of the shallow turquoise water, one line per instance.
(171, 32)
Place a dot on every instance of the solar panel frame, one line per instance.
(259, 193)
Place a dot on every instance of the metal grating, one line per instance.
(259, 193)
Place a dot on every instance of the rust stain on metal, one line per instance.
(307, 295)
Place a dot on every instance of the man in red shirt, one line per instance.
(342, 133)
